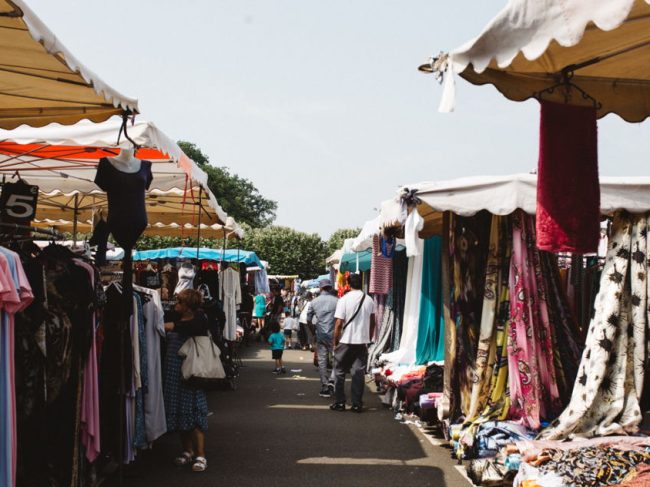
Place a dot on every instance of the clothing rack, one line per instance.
(42, 231)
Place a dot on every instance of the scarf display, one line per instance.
(606, 393)
(568, 192)
(533, 389)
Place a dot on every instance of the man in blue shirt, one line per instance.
(323, 308)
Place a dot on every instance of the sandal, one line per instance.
(200, 464)
(183, 459)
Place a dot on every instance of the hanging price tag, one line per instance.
(18, 203)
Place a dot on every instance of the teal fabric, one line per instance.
(349, 261)
(431, 328)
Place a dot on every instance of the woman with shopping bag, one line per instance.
(186, 405)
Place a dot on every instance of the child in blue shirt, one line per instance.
(277, 348)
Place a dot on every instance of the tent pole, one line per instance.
(198, 232)
(74, 221)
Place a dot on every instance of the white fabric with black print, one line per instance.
(605, 399)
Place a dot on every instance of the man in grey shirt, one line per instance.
(324, 308)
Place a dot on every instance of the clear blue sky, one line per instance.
(319, 103)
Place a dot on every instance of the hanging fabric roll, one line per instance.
(606, 393)
(533, 387)
(431, 337)
(568, 207)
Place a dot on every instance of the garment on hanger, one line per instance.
(381, 270)
(154, 407)
(186, 276)
(230, 295)
(127, 214)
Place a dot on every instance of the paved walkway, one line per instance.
(277, 431)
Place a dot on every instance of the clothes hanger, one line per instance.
(565, 82)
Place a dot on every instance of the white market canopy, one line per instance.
(62, 162)
(42, 82)
(603, 45)
(502, 195)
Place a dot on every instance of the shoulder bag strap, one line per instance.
(363, 298)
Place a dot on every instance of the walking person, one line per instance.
(276, 340)
(355, 324)
(186, 408)
(304, 333)
(258, 311)
(323, 309)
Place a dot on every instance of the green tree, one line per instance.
(288, 251)
(237, 196)
(336, 240)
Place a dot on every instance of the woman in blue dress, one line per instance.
(186, 408)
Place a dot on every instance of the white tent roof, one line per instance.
(364, 240)
(528, 44)
(501, 195)
(41, 81)
(62, 162)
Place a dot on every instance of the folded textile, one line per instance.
(534, 447)
(593, 466)
(568, 191)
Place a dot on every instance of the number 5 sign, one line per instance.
(18, 203)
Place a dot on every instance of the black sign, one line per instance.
(18, 203)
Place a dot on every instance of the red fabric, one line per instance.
(568, 191)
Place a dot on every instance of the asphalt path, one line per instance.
(276, 431)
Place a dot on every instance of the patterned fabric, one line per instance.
(470, 241)
(485, 349)
(606, 394)
(490, 398)
(381, 270)
(186, 409)
(566, 345)
(533, 388)
(593, 466)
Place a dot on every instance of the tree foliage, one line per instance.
(336, 240)
(237, 196)
(288, 251)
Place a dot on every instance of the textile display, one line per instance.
(381, 269)
(567, 347)
(230, 295)
(533, 389)
(489, 385)
(406, 354)
(400, 271)
(431, 327)
(593, 466)
(568, 207)
(606, 393)
(468, 246)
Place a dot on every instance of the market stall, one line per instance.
(42, 81)
(62, 162)
(453, 343)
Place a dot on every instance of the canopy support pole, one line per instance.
(75, 220)
(198, 231)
